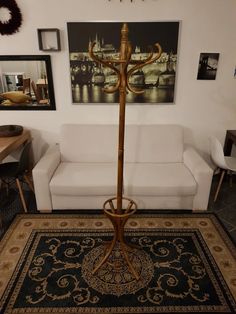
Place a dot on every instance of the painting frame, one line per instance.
(208, 65)
(26, 65)
(158, 80)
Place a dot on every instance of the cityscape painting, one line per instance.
(88, 79)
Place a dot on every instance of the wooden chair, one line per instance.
(17, 172)
(37, 96)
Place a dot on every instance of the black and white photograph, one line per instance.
(88, 79)
(207, 67)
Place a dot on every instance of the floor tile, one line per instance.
(229, 227)
(233, 235)
(228, 214)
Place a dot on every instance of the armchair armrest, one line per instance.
(42, 174)
(202, 173)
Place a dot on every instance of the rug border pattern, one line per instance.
(71, 217)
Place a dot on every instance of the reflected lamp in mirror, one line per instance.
(49, 39)
(26, 83)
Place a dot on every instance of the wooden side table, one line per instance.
(10, 144)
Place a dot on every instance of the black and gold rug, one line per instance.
(186, 263)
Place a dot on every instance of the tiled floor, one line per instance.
(225, 205)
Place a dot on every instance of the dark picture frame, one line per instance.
(26, 83)
(49, 39)
(207, 66)
(158, 80)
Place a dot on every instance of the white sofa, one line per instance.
(159, 171)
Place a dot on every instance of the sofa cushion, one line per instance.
(160, 179)
(154, 143)
(89, 143)
(84, 179)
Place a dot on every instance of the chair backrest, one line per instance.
(217, 153)
(36, 94)
(26, 86)
(24, 159)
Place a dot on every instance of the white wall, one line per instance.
(203, 107)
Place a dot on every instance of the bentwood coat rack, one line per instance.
(119, 208)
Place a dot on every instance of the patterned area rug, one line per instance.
(186, 263)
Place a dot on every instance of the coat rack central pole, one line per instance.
(122, 101)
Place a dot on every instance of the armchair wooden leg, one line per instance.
(219, 184)
(7, 188)
(21, 194)
(230, 178)
(5, 185)
(29, 182)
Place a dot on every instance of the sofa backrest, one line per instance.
(154, 143)
(143, 143)
(88, 143)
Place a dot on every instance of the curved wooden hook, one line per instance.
(119, 74)
(108, 64)
(140, 65)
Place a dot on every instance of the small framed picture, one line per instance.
(207, 67)
(49, 39)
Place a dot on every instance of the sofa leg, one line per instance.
(45, 211)
(198, 210)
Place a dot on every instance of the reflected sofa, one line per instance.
(160, 172)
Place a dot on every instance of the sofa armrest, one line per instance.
(202, 173)
(42, 174)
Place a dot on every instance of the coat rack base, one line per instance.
(118, 221)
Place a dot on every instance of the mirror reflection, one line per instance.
(26, 82)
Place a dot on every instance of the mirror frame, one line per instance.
(47, 59)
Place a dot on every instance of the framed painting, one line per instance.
(88, 78)
(207, 66)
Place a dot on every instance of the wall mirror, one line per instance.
(26, 83)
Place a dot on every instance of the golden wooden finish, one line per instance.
(219, 184)
(30, 184)
(117, 214)
(21, 195)
(118, 222)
